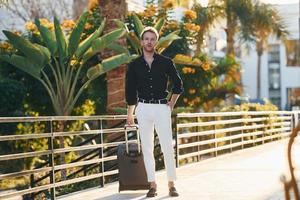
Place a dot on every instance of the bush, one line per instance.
(11, 98)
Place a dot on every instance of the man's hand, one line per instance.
(173, 100)
(130, 119)
(171, 105)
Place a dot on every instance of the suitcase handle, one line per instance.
(137, 136)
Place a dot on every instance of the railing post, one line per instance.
(32, 185)
(243, 117)
(215, 135)
(176, 142)
(51, 162)
(230, 134)
(101, 166)
(198, 140)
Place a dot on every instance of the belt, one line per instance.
(154, 101)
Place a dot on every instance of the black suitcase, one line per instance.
(132, 172)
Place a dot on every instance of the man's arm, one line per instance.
(131, 93)
(173, 100)
(130, 117)
(177, 84)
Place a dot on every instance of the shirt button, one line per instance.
(150, 78)
(150, 86)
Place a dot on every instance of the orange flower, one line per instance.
(180, 58)
(167, 4)
(192, 27)
(190, 14)
(205, 66)
(92, 4)
(192, 91)
(5, 45)
(68, 24)
(188, 70)
(88, 26)
(29, 26)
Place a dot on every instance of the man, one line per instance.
(146, 84)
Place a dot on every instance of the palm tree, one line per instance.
(206, 16)
(115, 78)
(265, 21)
(237, 14)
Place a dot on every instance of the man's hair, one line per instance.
(149, 29)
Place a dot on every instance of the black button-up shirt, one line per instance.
(150, 82)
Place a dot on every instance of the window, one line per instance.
(292, 53)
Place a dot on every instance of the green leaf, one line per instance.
(48, 37)
(26, 47)
(107, 65)
(121, 24)
(138, 25)
(60, 40)
(45, 51)
(76, 33)
(101, 43)
(118, 48)
(166, 41)
(135, 42)
(23, 64)
(84, 45)
(159, 24)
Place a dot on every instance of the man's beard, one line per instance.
(148, 49)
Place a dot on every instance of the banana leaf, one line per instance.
(76, 33)
(26, 47)
(159, 24)
(107, 65)
(101, 43)
(121, 24)
(24, 64)
(164, 42)
(135, 42)
(118, 48)
(138, 25)
(60, 41)
(84, 45)
(48, 37)
(46, 53)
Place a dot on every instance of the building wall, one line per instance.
(289, 76)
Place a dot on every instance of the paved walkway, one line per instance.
(250, 174)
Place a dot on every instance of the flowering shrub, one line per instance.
(206, 82)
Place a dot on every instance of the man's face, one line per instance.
(148, 41)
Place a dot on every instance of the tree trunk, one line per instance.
(114, 9)
(230, 33)
(259, 51)
(200, 38)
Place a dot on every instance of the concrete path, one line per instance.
(250, 174)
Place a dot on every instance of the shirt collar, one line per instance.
(154, 55)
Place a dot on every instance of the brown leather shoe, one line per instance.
(173, 192)
(152, 192)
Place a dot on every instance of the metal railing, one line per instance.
(101, 145)
(197, 136)
(202, 135)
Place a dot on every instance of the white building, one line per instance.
(280, 82)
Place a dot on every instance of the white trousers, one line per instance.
(156, 116)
